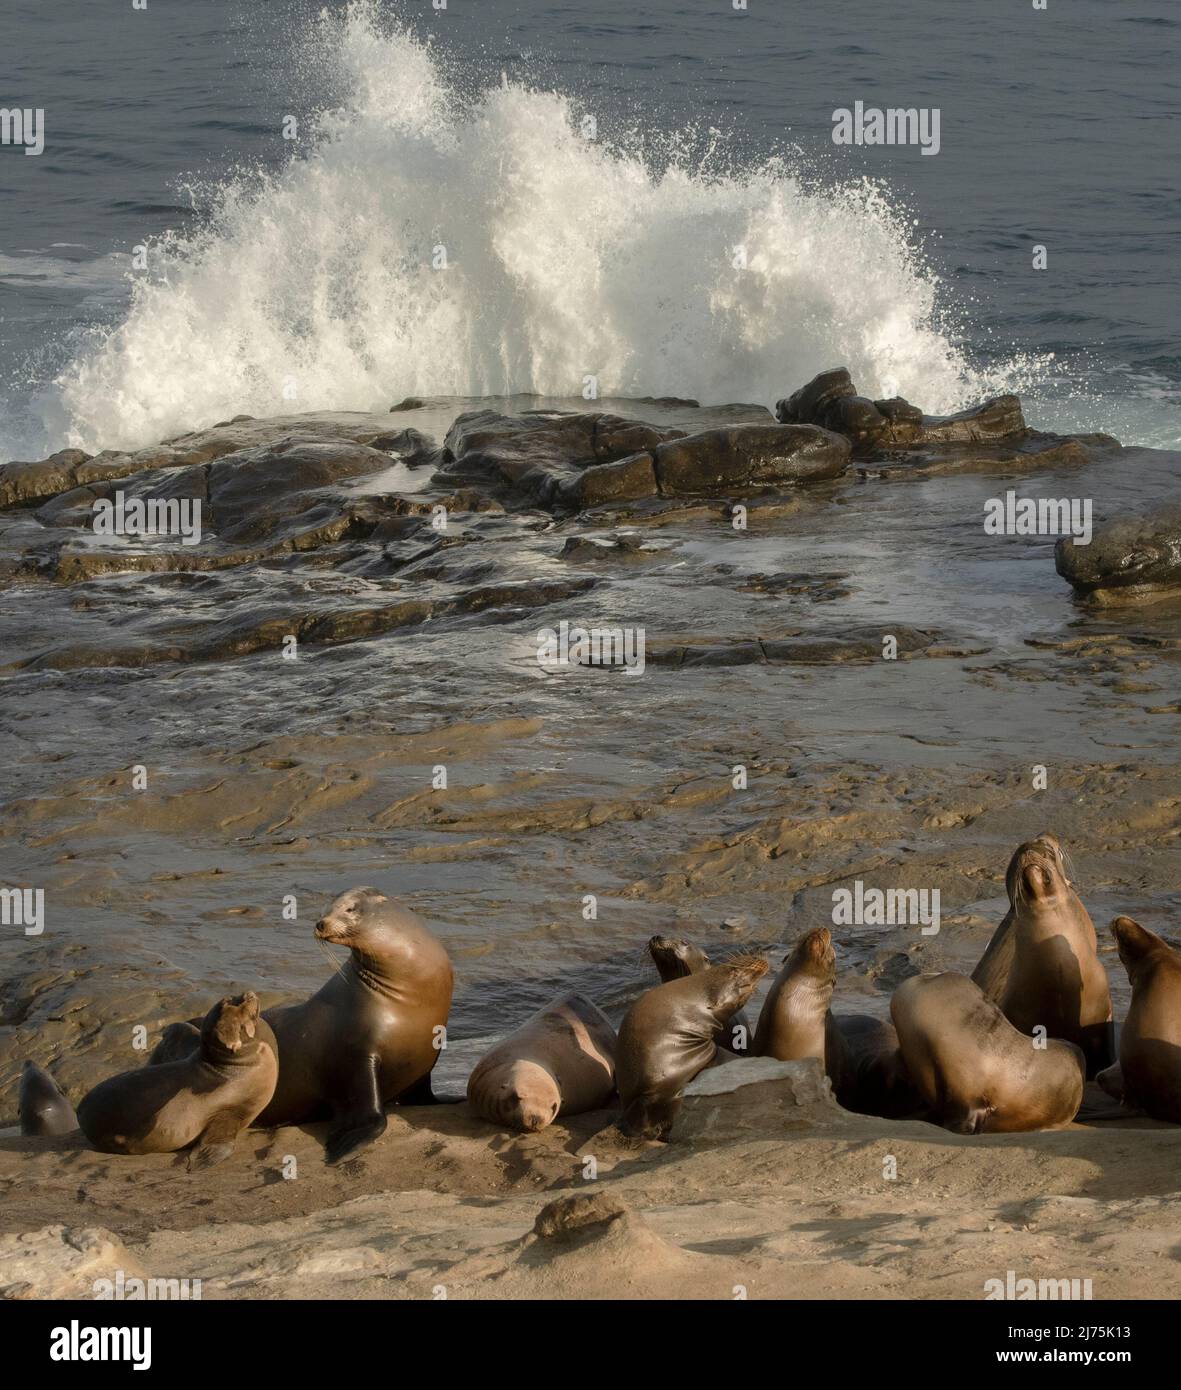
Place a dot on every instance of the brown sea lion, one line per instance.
(1148, 1073)
(371, 1035)
(670, 1034)
(859, 1053)
(559, 1062)
(1042, 965)
(44, 1109)
(795, 1021)
(975, 1071)
(206, 1098)
(675, 958)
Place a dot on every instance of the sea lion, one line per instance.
(872, 1078)
(1148, 1073)
(1042, 965)
(44, 1109)
(371, 1035)
(670, 1034)
(674, 958)
(795, 1017)
(559, 1062)
(975, 1071)
(859, 1053)
(206, 1098)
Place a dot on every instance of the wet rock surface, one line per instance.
(892, 437)
(1128, 559)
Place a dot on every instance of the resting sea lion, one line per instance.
(559, 1062)
(974, 1070)
(205, 1098)
(872, 1078)
(670, 1034)
(44, 1108)
(1042, 965)
(675, 958)
(371, 1035)
(1148, 1073)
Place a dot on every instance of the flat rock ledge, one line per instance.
(756, 1098)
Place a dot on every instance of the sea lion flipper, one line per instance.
(44, 1107)
(359, 1119)
(1111, 1080)
(354, 1132)
(217, 1139)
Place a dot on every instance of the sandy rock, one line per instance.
(756, 1097)
(61, 1262)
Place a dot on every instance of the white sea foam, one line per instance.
(313, 287)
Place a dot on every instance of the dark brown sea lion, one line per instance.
(371, 1035)
(559, 1062)
(206, 1098)
(975, 1071)
(1148, 1073)
(178, 1040)
(1042, 965)
(670, 1034)
(871, 1074)
(44, 1109)
(675, 958)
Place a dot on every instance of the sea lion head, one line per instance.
(675, 958)
(1134, 941)
(733, 982)
(1038, 873)
(814, 955)
(348, 920)
(230, 1025)
(522, 1096)
(384, 935)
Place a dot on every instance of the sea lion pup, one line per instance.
(371, 1034)
(207, 1098)
(1042, 965)
(559, 1062)
(675, 958)
(975, 1071)
(1148, 1073)
(44, 1109)
(670, 1034)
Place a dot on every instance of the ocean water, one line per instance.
(306, 273)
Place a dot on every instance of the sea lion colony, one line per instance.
(1008, 1049)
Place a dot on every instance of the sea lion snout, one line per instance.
(346, 914)
(1039, 872)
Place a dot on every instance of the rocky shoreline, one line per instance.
(412, 556)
